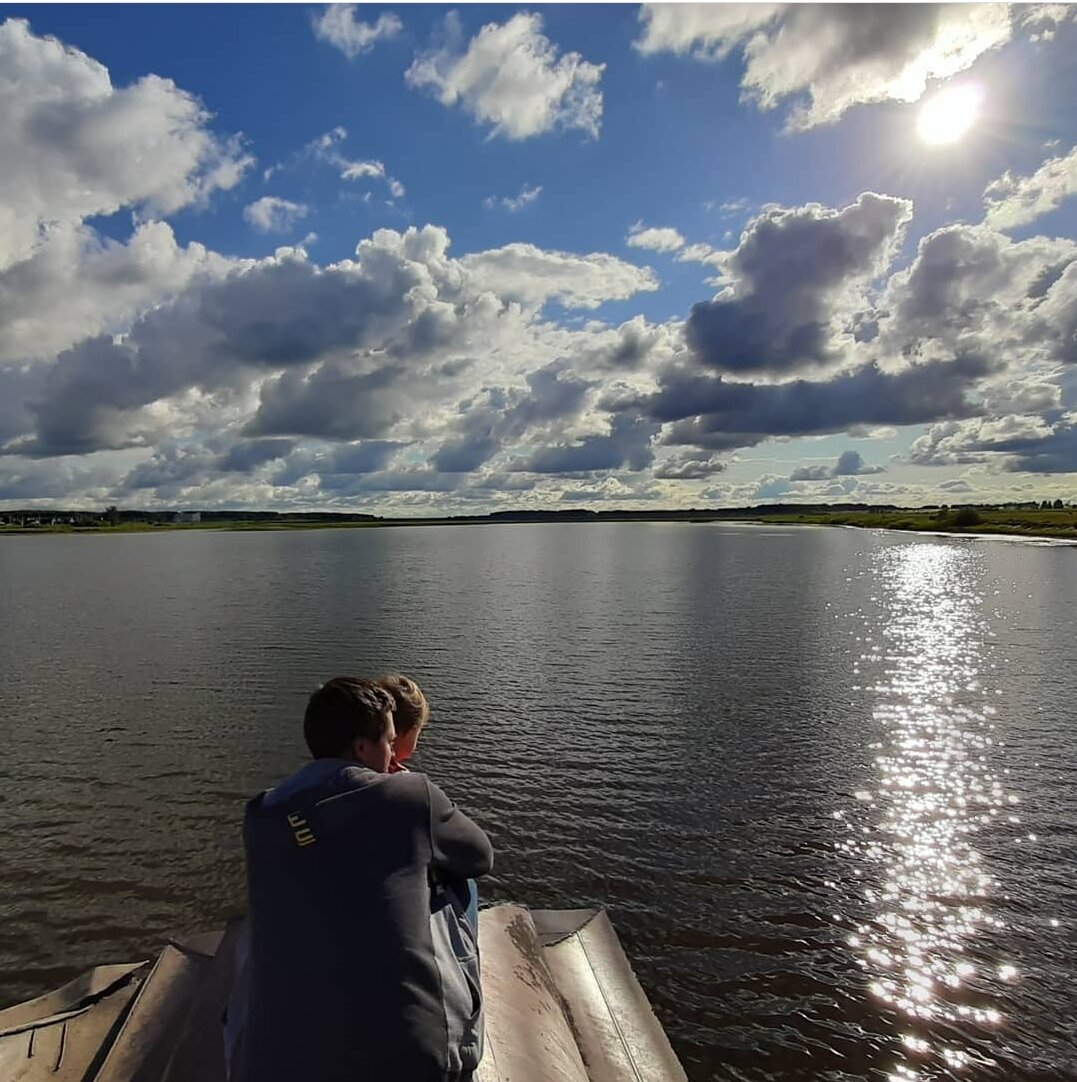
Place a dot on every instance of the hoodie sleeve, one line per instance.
(458, 846)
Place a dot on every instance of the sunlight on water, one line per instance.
(937, 789)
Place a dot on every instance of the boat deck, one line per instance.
(562, 1003)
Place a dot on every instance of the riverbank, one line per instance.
(1049, 524)
(1054, 524)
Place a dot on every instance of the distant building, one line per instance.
(187, 516)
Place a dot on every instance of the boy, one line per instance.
(411, 712)
(353, 975)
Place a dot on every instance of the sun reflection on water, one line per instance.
(936, 790)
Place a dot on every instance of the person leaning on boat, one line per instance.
(357, 973)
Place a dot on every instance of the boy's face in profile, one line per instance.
(405, 744)
(376, 754)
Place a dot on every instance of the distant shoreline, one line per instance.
(1046, 524)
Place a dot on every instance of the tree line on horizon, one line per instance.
(115, 516)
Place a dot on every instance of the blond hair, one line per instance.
(410, 708)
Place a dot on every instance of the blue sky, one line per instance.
(425, 259)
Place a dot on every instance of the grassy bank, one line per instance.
(1055, 523)
(1047, 523)
(168, 527)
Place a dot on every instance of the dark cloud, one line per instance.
(408, 480)
(331, 403)
(172, 468)
(342, 461)
(247, 455)
(628, 445)
(795, 281)
(497, 416)
(501, 482)
(811, 473)
(18, 385)
(722, 415)
(849, 464)
(465, 454)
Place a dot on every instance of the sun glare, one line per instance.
(948, 115)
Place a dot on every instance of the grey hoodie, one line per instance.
(361, 970)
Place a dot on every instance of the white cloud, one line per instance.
(73, 145)
(78, 284)
(706, 31)
(273, 215)
(358, 170)
(727, 208)
(514, 203)
(699, 253)
(655, 239)
(533, 275)
(1013, 201)
(972, 291)
(837, 55)
(979, 440)
(511, 77)
(326, 148)
(384, 346)
(339, 26)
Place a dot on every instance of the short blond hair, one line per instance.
(410, 708)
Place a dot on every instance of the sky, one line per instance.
(415, 260)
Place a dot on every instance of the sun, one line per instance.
(948, 115)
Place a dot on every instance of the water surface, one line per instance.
(824, 780)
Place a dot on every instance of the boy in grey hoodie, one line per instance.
(355, 975)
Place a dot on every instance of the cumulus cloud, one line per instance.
(510, 77)
(972, 289)
(794, 283)
(849, 464)
(660, 239)
(173, 468)
(699, 253)
(689, 466)
(1015, 444)
(72, 483)
(627, 444)
(356, 350)
(1013, 201)
(75, 146)
(634, 345)
(271, 214)
(711, 412)
(497, 417)
(335, 466)
(514, 203)
(77, 283)
(340, 25)
(534, 275)
(836, 56)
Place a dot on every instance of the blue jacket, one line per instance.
(360, 968)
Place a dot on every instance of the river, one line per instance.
(824, 780)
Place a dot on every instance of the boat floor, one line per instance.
(562, 1003)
